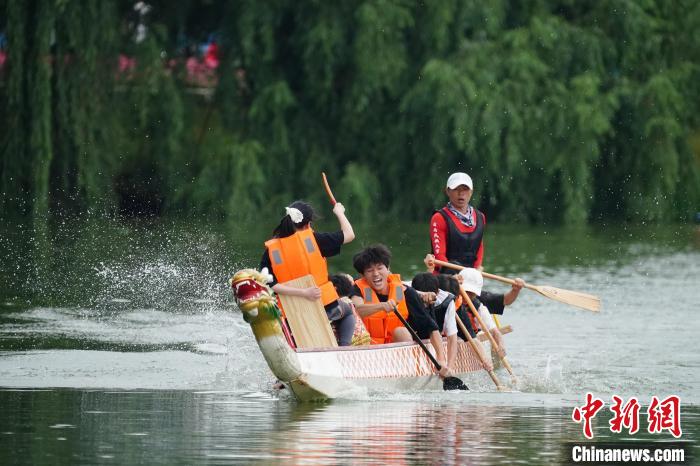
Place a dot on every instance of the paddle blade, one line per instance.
(454, 383)
(574, 298)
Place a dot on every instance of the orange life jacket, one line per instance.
(298, 255)
(458, 303)
(381, 324)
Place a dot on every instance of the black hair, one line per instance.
(287, 227)
(371, 255)
(342, 284)
(425, 281)
(448, 283)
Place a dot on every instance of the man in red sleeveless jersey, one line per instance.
(457, 230)
(456, 235)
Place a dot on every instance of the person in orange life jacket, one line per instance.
(378, 292)
(472, 281)
(296, 250)
(442, 310)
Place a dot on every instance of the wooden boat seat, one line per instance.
(307, 319)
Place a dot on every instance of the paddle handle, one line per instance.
(494, 345)
(510, 281)
(572, 298)
(328, 188)
(418, 340)
(477, 350)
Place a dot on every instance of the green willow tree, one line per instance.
(55, 87)
(563, 111)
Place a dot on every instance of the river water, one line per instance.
(120, 344)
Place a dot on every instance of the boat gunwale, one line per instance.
(506, 330)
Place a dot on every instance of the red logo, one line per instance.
(627, 416)
(661, 415)
(665, 415)
(586, 413)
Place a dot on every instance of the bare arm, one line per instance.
(345, 227)
(366, 310)
(436, 340)
(492, 328)
(513, 293)
(312, 294)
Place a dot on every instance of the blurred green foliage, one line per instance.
(563, 111)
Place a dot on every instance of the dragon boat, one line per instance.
(315, 374)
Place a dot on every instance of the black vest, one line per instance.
(440, 310)
(462, 247)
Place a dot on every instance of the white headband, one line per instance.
(295, 214)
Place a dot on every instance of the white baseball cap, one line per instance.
(458, 179)
(472, 280)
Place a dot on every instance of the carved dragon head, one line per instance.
(252, 293)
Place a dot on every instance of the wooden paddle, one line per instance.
(494, 345)
(477, 349)
(448, 383)
(573, 298)
(328, 189)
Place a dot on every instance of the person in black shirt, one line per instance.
(496, 302)
(442, 310)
